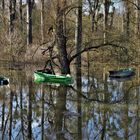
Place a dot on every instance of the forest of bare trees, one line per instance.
(66, 31)
(69, 33)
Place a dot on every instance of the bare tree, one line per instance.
(29, 22)
(61, 37)
(42, 20)
(78, 41)
(78, 37)
(3, 5)
(94, 8)
(106, 12)
(20, 13)
(14, 9)
(137, 30)
(10, 16)
(126, 18)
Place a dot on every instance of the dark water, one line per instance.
(104, 110)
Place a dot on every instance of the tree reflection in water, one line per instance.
(107, 109)
(60, 108)
(29, 115)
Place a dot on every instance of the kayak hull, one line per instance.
(40, 77)
(122, 73)
(4, 81)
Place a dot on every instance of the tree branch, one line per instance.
(93, 47)
(137, 6)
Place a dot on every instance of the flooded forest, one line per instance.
(94, 44)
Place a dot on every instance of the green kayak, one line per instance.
(40, 77)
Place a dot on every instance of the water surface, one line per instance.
(105, 109)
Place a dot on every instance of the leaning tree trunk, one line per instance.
(61, 38)
(29, 22)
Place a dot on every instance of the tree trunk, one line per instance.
(10, 17)
(14, 9)
(137, 30)
(20, 14)
(78, 42)
(3, 5)
(93, 7)
(29, 22)
(126, 19)
(112, 18)
(106, 11)
(61, 38)
(42, 21)
(12, 14)
(78, 37)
